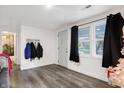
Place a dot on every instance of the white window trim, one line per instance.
(97, 24)
(81, 54)
(92, 39)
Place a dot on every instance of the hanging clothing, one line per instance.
(33, 51)
(113, 40)
(39, 51)
(74, 53)
(28, 51)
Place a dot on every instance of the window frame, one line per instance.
(82, 27)
(92, 27)
(98, 23)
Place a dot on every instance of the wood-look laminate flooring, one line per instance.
(53, 76)
(4, 78)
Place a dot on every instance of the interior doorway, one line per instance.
(8, 45)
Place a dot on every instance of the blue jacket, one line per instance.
(28, 51)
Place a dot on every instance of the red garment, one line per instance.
(9, 62)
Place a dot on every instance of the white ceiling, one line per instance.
(53, 18)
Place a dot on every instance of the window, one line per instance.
(99, 33)
(91, 39)
(84, 40)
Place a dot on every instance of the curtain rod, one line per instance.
(93, 21)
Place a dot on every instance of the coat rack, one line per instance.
(32, 40)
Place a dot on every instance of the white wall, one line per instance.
(48, 42)
(89, 65)
(48, 38)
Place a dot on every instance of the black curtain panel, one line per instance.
(74, 53)
(113, 40)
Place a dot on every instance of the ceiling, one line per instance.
(53, 18)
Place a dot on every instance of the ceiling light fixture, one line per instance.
(48, 6)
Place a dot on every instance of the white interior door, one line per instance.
(62, 48)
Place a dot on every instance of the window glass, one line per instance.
(99, 31)
(84, 47)
(84, 40)
(99, 47)
(84, 33)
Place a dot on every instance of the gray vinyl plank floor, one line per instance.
(53, 76)
(4, 78)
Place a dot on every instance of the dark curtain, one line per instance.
(74, 54)
(113, 40)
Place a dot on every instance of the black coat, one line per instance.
(39, 51)
(112, 40)
(33, 51)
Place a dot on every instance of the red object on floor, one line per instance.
(9, 62)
